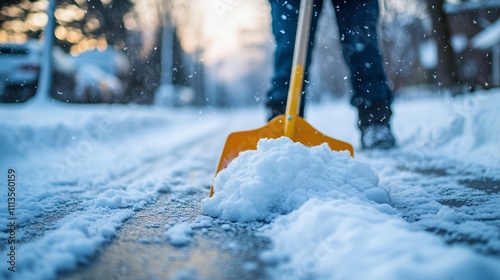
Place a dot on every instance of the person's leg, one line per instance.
(285, 15)
(357, 23)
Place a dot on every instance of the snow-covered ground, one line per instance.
(425, 210)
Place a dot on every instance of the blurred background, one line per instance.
(218, 52)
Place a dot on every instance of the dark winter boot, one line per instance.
(374, 123)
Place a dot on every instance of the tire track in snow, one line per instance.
(141, 251)
(65, 194)
(87, 212)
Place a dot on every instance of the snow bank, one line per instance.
(282, 175)
(467, 130)
(27, 127)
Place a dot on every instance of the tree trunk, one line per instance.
(445, 68)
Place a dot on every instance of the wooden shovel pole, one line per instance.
(298, 68)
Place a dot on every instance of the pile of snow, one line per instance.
(281, 175)
(330, 220)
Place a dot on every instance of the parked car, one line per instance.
(101, 75)
(20, 66)
(93, 76)
(19, 71)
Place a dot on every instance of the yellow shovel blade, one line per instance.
(247, 140)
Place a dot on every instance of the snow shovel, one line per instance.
(290, 124)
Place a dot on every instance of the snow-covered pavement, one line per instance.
(86, 174)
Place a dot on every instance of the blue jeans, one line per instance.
(357, 24)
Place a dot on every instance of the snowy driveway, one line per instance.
(116, 185)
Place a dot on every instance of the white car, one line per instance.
(100, 75)
(19, 71)
(93, 76)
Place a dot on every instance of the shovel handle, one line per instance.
(298, 67)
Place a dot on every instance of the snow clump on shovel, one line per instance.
(281, 175)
